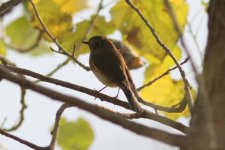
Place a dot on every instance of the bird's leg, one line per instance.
(98, 91)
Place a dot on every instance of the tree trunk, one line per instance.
(207, 127)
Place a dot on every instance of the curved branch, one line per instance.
(22, 110)
(56, 126)
(29, 144)
(54, 39)
(56, 69)
(5, 61)
(168, 138)
(187, 88)
(160, 76)
(5, 7)
(106, 98)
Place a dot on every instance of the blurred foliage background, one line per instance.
(63, 19)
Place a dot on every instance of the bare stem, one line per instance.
(56, 126)
(101, 96)
(54, 39)
(168, 51)
(168, 138)
(160, 76)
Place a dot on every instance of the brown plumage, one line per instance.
(109, 67)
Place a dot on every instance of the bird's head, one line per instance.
(98, 43)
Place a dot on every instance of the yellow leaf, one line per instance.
(57, 22)
(2, 48)
(35, 1)
(71, 6)
(136, 32)
(101, 27)
(165, 92)
(23, 38)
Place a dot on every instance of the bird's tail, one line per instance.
(131, 98)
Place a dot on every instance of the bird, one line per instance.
(108, 65)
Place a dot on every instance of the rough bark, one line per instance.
(207, 128)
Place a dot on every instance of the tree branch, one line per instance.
(162, 75)
(168, 51)
(206, 106)
(103, 97)
(22, 110)
(56, 69)
(168, 138)
(5, 7)
(30, 48)
(54, 39)
(31, 145)
(56, 126)
(5, 61)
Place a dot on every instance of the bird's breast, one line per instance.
(101, 76)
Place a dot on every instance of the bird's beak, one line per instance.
(85, 42)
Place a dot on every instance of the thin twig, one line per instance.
(160, 76)
(54, 39)
(78, 46)
(195, 40)
(22, 111)
(149, 115)
(187, 86)
(56, 126)
(92, 22)
(88, 91)
(30, 48)
(199, 79)
(168, 138)
(6, 61)
(31, 145)
(7, 6)
(65, 62)
(94, 93)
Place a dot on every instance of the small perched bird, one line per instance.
(109, 67)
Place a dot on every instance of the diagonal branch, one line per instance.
(22, 111)
(202, 90)
(5, 61)
(162, 75)
(56, 126)
(187, 86)
(168, 138)
(7, 6)
(65, 62)
(54, 39)
(92, 22)
(103, 97)
(29, 144)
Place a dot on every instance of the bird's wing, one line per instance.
(111, 64)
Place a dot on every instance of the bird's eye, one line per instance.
(96, 43)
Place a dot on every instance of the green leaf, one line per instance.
(71, 6)
(25, 37)
(75, 135)
(101, 27)
(57, 22)
(21, 34)
(42, 48)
